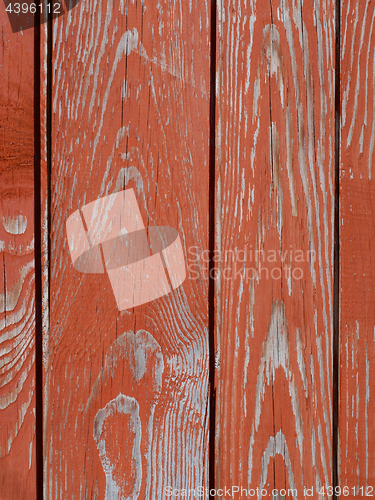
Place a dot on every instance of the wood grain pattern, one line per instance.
(275, 221)
(357, 240)
(17, 278)
(126, 393)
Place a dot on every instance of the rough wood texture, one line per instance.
(17, 313)
(357, 242)
(126, 393)
(274, 207)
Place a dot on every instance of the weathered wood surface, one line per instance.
(274, 207)
(126, 393)
(17, 278)
(126, 401)
(357, 243)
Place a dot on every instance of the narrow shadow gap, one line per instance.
(38, 263)
(49, 154)
(211, 282)
(336, 263)
(39, 214)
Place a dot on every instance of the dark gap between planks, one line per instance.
(38, 264)
(211, 283)
(336, 261)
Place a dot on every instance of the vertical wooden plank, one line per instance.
(357, 240)
(17, 277)
(130, 110)
(275, 223)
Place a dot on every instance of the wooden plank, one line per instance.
(130, 110)
(357, 239)
(17, 277)
(275, 223)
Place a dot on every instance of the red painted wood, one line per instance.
(274, 205)
(130, 110)
(17, 297)
(357, 244)
(126, 393)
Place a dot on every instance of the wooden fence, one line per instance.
(249, 127)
